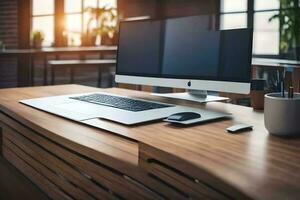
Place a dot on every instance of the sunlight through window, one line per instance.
(266, 38)
(43, 20)
(233, 14)
(78, 19)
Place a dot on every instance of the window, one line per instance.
(268, 40)
(73, 21)
(76, 19)
(43, 19)
(233, 14)
(266, 5)
(266, 31)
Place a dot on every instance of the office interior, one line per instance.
(61, 47)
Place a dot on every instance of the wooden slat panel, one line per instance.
(9, 23)
(193, 187)
(59, 181)
(218, 190)
(9, 36)
(34, 176)
(55, 164)
(113, 180)
(164, 188)
(18, 186)
(178, 191)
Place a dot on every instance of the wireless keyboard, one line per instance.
(120, 102)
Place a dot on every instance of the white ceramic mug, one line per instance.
(282, 114)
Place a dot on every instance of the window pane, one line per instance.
(266, 33)
(73, 29)
(44, 7)
(90, 3)
(266, 4)
(262, 21)
(72, 6)
(233, 21)
(266, 43)
(74, 39)
(46, 25)
(233, 5)
(73, 23)
(108, 3)
(87, 23)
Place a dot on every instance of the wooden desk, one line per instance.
(151, 161)
(101, 64)
(57, 50)
(26, 58)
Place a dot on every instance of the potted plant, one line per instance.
(289, 20)
(106, 25)
(65, 38)
(88, 39)
(37, 39)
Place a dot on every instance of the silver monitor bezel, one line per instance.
(218, 86)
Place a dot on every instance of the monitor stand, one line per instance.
(200, 96)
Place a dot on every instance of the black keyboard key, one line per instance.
(120, 102)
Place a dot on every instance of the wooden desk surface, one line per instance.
(50, 50)
(254, 164)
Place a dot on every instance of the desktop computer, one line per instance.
(179, 53)
(183, 53)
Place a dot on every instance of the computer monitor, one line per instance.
(184, 53)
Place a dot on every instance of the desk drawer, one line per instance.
(65, 179)
(73, 174)
(190, 187)
(44, 184)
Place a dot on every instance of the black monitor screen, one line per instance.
(184, 48)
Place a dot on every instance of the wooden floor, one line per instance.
(15, 186)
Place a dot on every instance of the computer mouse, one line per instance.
(184, 116)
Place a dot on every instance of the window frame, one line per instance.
(59, 17)
(32, 16)
(221, 13)
(79, 13)
(266, 11)
(250, 21)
